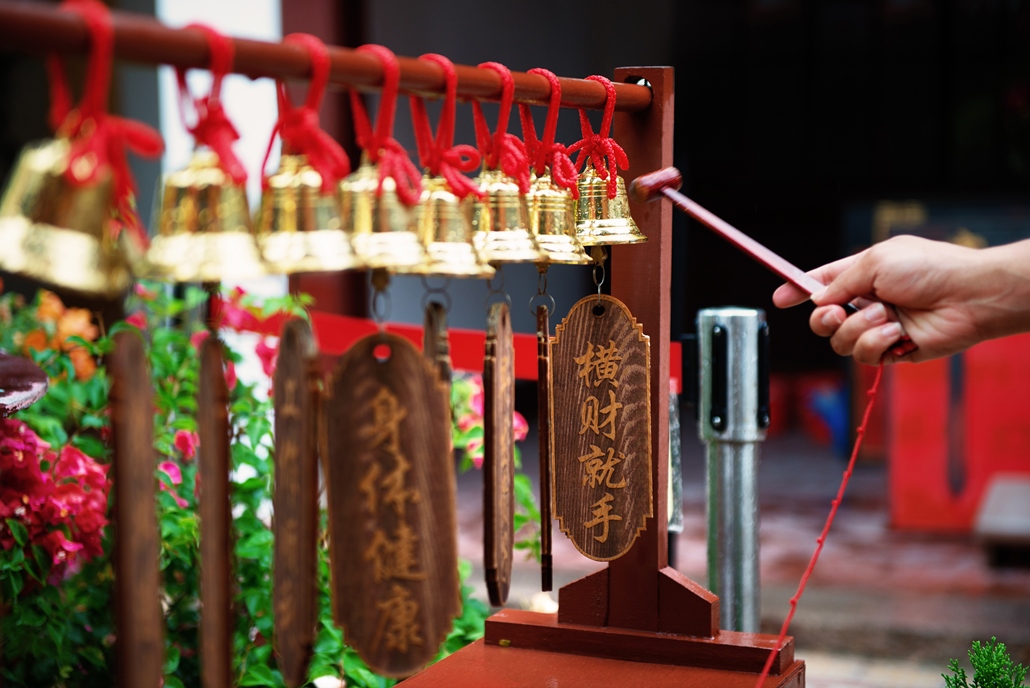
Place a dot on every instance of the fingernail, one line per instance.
(891, 331)
(818, 295)
(832, 320)
(875, 313)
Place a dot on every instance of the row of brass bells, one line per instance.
(204, 231)
(382, 227)
(443, 222)
(501, 222)
(58, 232)
(603, 220)
(300, 228)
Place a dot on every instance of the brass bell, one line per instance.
(204, 232)
(552, 220)
(442, 220)
(57, 232)
(382, 228)
(603, 220)
(300, 229)
(501, 222)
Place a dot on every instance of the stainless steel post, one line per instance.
(732, 417)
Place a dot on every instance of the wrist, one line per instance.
(1004, 274)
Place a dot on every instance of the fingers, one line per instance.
(866, 336)
(788, 295)
(825, 320)
(854, 280)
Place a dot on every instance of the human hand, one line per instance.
(944, 296)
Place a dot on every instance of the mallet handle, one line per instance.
(785, 269)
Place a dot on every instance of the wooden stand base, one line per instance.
(530, 649)
(491, 666)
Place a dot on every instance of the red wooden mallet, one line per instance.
(667, 181)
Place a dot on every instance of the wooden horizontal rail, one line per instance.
(39, 28)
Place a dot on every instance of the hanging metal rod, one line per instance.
(39, 28)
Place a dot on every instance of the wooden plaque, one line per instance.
(393, 527)
(295, 502)
(141, 645)
(601, 427)
(215, 519)
(498, 453)
(435, 345)
(543, 358)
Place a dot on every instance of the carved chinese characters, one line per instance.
(498, 453)
(601, 429)
(391, 505)
(295, 502)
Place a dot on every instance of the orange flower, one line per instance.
(83, 363)
(75, 322)
(50, 306)
(36, 340)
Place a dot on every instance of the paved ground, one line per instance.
(883, 609)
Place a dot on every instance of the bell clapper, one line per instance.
(600, 255)
(380, 305)
(436, 294)
(541, 298)
(496, 292)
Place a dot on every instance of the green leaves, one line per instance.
(992, 668)
(18, 531)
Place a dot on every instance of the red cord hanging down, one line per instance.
(502, 150)
(606, 156)
(299, 127)
(379, 145)
(546, 153)
(439, 156)
(821, 540)
(212, 127)
(98, 139)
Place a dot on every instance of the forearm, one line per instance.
(1003, 274)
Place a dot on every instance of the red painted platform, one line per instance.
(491, 666)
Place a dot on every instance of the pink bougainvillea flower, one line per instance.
(521, 427)
(475, 451)
(230, 375)
(60, 497)
(172, 471)
(469, 420)
(174, 476)
(137, 320)
(197, 338)
(476, 401)
(268, 354)
(186, 442)
(60, 548)
(236, 316)
(144, 293)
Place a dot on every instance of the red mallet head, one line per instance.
(647, 187)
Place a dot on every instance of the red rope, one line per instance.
(299, 127)
(380, 146)
(546, 153)
(502, 150)
(99, 140)
(606, 156)
(212, 127)
(439, 156)
(821, 540)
